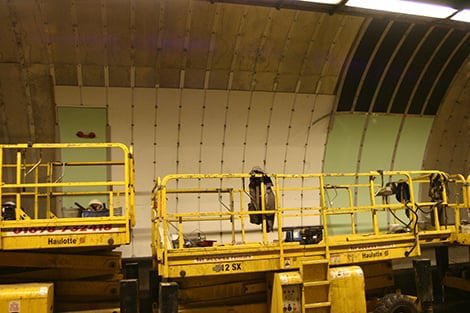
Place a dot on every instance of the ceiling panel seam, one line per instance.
(407, 66)
(187, 37)
(366, 70)
(76, 43)
(328, 54)
(313, 39)
(210, 51)
(224, 132)
(424, 70)
(346, 65)
(245, 137)
(241, 26)
(359, 154)
(201, 132)
(317, 90)
(181, 86)
(155, 124)
(210, 54)
(284, 50)
(447, 78)
(132, 43)
(262, 42)
(3, 118)
(268, 127)
(389, 63)
(160, 26)
(24, 71)
(307, 137)
(104, 33)
(42, 13)
(413, 68)
(178, 135)
(289, 128)
(397, 141)
(132, 65)
(236, 50)
(451, 56)
(276, 81)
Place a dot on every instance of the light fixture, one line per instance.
(323, 1)
(463, 16)
(405, 7)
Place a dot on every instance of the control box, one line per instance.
(287, 293)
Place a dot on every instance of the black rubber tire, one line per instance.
(395, 303)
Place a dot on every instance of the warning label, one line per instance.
(14, 307)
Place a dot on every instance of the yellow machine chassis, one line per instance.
(246, 257)
(42, 228)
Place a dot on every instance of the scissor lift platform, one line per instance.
(51, 231)
(40, 190)
(172, 221)
(204, 242)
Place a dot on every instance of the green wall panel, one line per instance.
(343, 143)
(341, 156)
(411, 147)
(377, 152)
(379, 141)
(413, 140)
(86, 119)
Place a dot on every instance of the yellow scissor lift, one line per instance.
(46, 237)
(204, 245)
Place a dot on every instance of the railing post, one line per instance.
(18, 181)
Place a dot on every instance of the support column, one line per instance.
(442, 262)
(423, 278)
(168, 298)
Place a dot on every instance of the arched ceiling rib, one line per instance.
(402, 68)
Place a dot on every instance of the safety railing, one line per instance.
(48, 181)
(462, 212)
(212, 212)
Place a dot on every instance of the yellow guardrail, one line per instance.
(37, 183)
(181, 207)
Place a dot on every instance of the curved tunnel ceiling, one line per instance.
(372, 65)
(402, 67)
